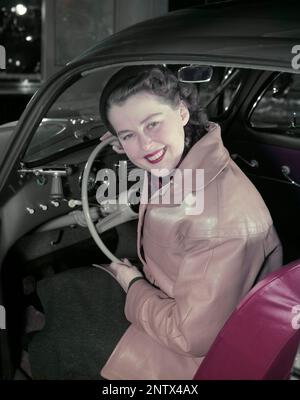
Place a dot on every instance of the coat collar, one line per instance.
(208, 154)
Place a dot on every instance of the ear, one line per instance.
(118, 148)
(184, 112)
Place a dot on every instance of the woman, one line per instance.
(197, 266)
(198, 263)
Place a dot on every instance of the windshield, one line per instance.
(74, 116)
(72, 119)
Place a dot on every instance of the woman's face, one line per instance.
(150, 131)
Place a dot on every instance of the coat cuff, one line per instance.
(134, 280)
(140, 292)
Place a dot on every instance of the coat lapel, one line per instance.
(142, 210)
(208, 154)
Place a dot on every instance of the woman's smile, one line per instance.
(151, 131)
(156, 156)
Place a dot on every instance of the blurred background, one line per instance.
(40, 36)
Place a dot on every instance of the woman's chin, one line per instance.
(159, 169)
(160, 173)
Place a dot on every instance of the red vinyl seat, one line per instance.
(260, 339)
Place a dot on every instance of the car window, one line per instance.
(72, 119)
(222, 103)
(278, 107)
(74, 116)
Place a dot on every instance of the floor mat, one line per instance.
(84, 311)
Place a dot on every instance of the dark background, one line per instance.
(43, 35)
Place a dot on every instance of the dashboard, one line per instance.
(39, 200)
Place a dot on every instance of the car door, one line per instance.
(264, 140)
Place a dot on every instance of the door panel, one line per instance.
(269, 152)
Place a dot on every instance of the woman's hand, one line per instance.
(116, 145)
(124, 273)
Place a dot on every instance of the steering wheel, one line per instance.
(121, 212)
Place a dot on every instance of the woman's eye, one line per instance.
(126, 137)
(153, 124)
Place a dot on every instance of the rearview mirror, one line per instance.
(195, 73)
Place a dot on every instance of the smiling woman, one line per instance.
(155, 116)
(156, 315)
(196, 267)
(156, 131)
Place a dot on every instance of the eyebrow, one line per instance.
(150, 116)
(142, 122)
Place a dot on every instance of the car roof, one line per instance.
(258, 35)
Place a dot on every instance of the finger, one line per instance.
(113, 266)
(106, 135)
(124, 264)
(127, 262)
(117, 266)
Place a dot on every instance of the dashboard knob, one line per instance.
(73, 203)
(30, 210)
(56, 192)
(54, 203)
(43, 207)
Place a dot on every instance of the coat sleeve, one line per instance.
(215, 274)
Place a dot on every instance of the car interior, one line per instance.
(43, 215)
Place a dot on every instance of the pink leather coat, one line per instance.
(198, 268)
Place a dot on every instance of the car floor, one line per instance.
(80, 322)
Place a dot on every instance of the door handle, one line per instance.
(286, 170)
(251, 163)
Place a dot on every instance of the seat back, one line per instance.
(260, 339)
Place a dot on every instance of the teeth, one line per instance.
(156, 156)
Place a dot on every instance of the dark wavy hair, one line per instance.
(160, 81)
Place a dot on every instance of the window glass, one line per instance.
(72, 119)
(278, 109)
(223, 101)
(74, 116)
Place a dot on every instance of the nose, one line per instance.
(145, 142)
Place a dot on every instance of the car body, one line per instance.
(254, 95)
